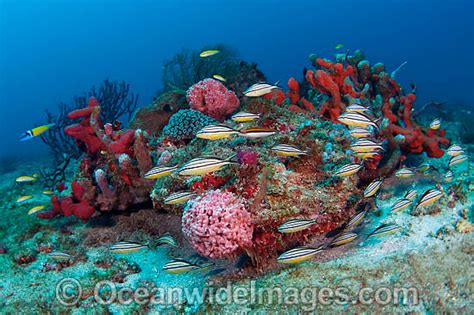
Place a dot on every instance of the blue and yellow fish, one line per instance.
(30, 134)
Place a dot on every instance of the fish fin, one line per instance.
(277, 83)
(233, 159)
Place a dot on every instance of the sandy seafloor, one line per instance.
(433, 254)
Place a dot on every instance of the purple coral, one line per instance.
(217, 224)
(212, 98)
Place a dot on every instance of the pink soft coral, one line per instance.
(217, 224)
(212, 98)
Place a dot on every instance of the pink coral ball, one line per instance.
(212, 98)
(217, 224)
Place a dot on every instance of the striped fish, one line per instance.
(343, 238)
(365, 145)
(48, 192)
(24, 198)
(429, 197)
(166, 239)
(254, 133)
(359, 133)
(405, 173)
(411, 194)
(355, 220)
(219, 77)
(354, 119)
(423, 168)
(385, 229)
(260, 89)
(288, 150)
(160, 171)
(295, 225)
(245, 117)
(126, 247)
(35, 210)
(25, 179)
(449, 176)
(59, 256)
(30, 134)
(373, 187)
(177, 266)
(367, 155)
(204, 165)
(358, 108)
(299, 254)
(215, 132)
(435, 124)
(457, 159)
(455, 150)
(401, 204)
(179, 197)
(348, 170)
(208, 53)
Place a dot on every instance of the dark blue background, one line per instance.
(52, 50)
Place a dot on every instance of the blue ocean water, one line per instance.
(52, 50)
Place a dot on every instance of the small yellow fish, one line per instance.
(356, 108)
(244, 117)
(299, 254)
(60, 256)
(177, 266)
(204, 165)
(385, 229)
(429, 197)
(457, 159)
(160, 171)
(295, 225)
(359, 133)
(401, 204)
(344, 238)
(355, 220)
(30, 134)
(288, 150)
(126, 247)
(219, 77)
(404, 173)
(366, 145)
(339, 46)
(449, 176)
(179, 197)
(254, 133)
(35, 209)
(208, 53)
(24, 198)
(48, 192)
(455, 150)
(355, 119)
(435, 124)
(373, 187)
(166, 239)
(411, 194)
(25, 179)
(348, 170)
(216, 132)
(366, 155)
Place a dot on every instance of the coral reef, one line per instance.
(185, 124)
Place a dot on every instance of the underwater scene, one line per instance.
(236, 157)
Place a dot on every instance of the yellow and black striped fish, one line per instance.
(177, 266)
(254, 133)
(126, 247)
(359, 133)
(357, 108)
(373, 187)
(166, 239)
(288, 150)
(204, 165)
(449, 176)
(30, 134)
(367, 155)
(401, 204)
(355, 220)
(354, 119)
(435, 124)
(455, 150)
(366, 145)
(216, 132)
(348, 170)
(405, 173)
(457, 159)
(59, 256)
(411, 194)
(429, 197)
(295, 225)
(245, 117)
(160, 171)
(179, 197)
(343, 238)
(385, 229)
(299, 254)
